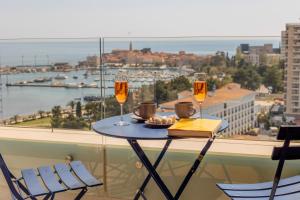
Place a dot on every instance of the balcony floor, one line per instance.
(91, 195)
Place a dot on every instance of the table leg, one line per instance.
(194, 167)
(159, 158)
(152, 171)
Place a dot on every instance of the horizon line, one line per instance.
(141, 37)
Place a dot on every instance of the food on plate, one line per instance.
(162, 120)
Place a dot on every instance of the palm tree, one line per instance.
(56, 111)
(78, 109)
(91, 110)
(56, 118)
(16, 117)
(72, 105)
(41, 113)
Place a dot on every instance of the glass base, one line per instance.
(121, 123)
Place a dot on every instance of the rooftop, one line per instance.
(293, 24)
(229, 92)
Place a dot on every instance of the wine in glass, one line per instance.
(200, 89)
(121, 93)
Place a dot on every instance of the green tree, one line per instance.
(180, 83)
(218, 60)
(113, 107)
(56, 118)
(239, 76)
(263, 59)
(93, 111)
(241, 63)
(72, 122)
(264, 118)
(78, 109)
(226, 80)
(232, 62)
(262, 69)
(161, 92)
(248, 78)
(274, 78)
(211, 83)
(167, 91)
(227, 60)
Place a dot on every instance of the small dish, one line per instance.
(154, 125)
(137, 118)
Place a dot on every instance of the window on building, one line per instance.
(295, 97)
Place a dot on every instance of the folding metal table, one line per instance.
(138, 131)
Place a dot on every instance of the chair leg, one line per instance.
(143, 196)
(159, 158)
(47, 196)
(52, 197)
(81, 194)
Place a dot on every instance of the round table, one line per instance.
(138, 131)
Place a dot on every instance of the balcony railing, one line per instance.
(296, 51)
(78, 76)
(117, 165)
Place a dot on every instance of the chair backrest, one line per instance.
(286, 152)
(287, 133)
(291, 132)
(8, 177)
(291, 153)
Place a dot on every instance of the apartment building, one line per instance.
(231, 102)
(290, 53)
(256, 55)
(93, 61)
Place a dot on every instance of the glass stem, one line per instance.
(121, 112)
(200, 110)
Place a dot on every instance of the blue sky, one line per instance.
(89, 18)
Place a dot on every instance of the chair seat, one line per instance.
(286, 186)
(294, 196)
(32, 182)
(83, 174)
(261, 186)
(50, 179)
(67, 177)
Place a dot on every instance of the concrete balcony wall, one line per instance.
(112, 160)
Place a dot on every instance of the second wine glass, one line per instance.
(121, 93)
(200, 89)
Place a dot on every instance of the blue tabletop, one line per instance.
(136, 130)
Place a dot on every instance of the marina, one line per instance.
(139, 77)
(68, 85)
(25, 93)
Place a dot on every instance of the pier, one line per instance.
(59, 86)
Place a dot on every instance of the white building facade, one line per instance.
(239, 113)
(231, 103)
